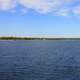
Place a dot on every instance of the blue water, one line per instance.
(40, 60)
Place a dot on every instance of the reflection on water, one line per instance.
(40, 60)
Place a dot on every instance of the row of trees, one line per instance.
(19, 38)
(30, 38)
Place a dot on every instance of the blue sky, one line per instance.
(40, 18)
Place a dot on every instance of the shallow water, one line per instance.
(40, 60)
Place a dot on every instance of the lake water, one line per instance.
(40, 60)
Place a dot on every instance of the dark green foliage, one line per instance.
(30, 38)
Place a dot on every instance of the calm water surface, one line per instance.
(40, 60)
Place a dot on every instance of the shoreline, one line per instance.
(31, 38)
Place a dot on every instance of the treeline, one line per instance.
(29, 38)
(19, 38)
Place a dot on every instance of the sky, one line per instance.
(40, 18)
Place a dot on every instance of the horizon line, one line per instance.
(35, 37)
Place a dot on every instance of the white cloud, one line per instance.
(63, 12)
(6, 4)
(23, 11)
(76, 10)
(37, 5)
(44, 6)
(59, 7)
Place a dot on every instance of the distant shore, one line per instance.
(31, 38)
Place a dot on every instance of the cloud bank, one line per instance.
(57, 7)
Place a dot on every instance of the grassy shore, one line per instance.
(30, 38)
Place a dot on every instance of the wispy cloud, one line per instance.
(59, 7)
(7, 4)
(76, 10)
(63, 12)
(44, 6)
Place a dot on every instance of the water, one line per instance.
(40, 60)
